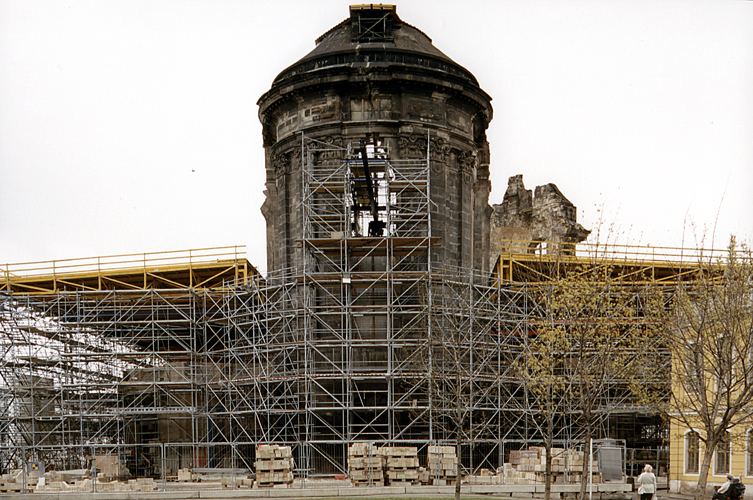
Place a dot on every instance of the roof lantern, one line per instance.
(372, 22)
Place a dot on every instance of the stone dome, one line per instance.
(387, 41)
(372, 48)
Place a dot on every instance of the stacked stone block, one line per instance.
(274, 466)
(484, 476)
(50, 483)
(423, 476)
(529, 466)
(13, 482)
(402, 464)
(442, 463)
(366, 465)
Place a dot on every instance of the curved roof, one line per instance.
(404, 45)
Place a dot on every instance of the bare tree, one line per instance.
(542, 366)
(579, 362)
(709, 329)
(586, 356)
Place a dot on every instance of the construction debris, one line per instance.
(51, 482)
(529, 467)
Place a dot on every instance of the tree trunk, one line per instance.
(708, 453)
(458, 477)
(586, 459)
(548, 448)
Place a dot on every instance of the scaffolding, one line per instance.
(364, 342)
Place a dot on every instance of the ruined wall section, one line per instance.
(525, 220)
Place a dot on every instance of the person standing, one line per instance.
(647, 483)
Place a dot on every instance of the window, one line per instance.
(725, 364)
(693, 369)
(721, 460)
(692, 451)
(749, 453)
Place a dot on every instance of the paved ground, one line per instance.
(322, 493)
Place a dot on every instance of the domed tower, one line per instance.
(376, 78)
(377, 225)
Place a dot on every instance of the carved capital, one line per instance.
(281, 164)
(295, 159)
(467, 161)
(414, 146)
(331, 149)
(440, 150)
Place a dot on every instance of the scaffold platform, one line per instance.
(203, 268)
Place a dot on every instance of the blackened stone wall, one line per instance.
(400, 89)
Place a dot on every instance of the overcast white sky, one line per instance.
(131, 126)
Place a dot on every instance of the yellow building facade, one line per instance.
(686, 454)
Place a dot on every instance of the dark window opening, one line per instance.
(722, 462)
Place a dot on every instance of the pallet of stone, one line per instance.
(444, 482)
(402, 475)
(529, 466)
(370, 476)
(237, 482)
(442, 464)
(366, 464)
(484, 476)
(274, 466)
(274, 479)
(441, 458)
(442, 469)
(401, 464)
(11, 487)
(184, 475)
(278, 480)
(401, 457)
(365, 477)
(365, 481)
(142, 484)
(366, 474)
(402, 482)
(10, 483)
